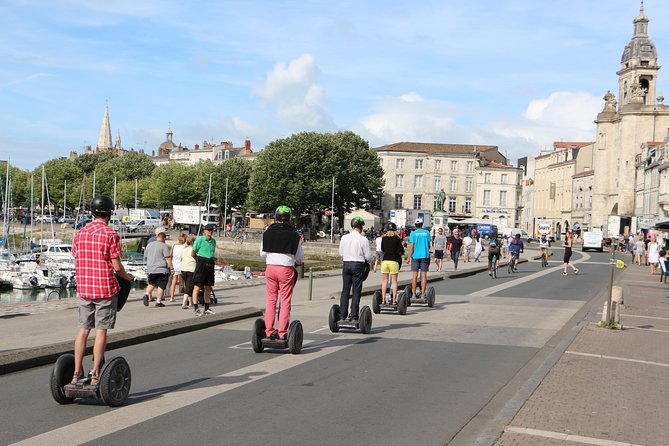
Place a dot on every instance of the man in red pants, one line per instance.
(281, 248)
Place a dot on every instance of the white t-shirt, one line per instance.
(467, 241)
(378, 243)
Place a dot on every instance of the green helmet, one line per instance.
(357, 222)
(282, 214)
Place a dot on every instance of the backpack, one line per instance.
(493, 243)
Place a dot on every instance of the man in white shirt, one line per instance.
(379, 253)
(356, 255)
(467, 244)
(281, 248)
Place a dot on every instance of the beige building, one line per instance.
(652, 187)
(624, 127)
(168, 152)
(582, 185)
(415, 173)
(553, 184)
(498, 194)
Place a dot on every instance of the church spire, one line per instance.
(105, 138)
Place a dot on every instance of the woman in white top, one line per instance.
(653, 254)
(176, 264)
(187, 271)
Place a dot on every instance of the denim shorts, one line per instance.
(420, 264)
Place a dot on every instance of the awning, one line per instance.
(663, 224)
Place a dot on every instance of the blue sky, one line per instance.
(517, 74)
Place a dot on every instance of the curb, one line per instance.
(34, 357)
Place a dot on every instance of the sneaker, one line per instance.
(185, 307)
(355, 320)
(198, 313)
(159, 304)
(145, 300)
(208, 312)
(171, 299)
(275, 335)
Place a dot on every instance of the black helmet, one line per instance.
(357, 222)
(102, 205)
(391, 226)
(282, 214)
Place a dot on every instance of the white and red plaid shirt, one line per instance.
(94, 248)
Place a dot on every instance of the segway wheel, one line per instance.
(377, 298)
(333, 318)
(407, 292)
(115, 382)
(430, 296)
(61, 374)
(258, 335)
(365, 320)
(295, 337)
(402, 304)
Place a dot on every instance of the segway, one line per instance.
(212, 297)
(293, 341)
(113, 387)
(385, 303)
(364, 323)
(428, 299)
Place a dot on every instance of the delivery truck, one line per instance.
(193, 218)
(407, 217)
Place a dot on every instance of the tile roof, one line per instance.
(569, 145)
(434, 147)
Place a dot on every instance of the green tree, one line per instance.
(238, 173)
(298, 171)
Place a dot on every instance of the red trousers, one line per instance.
(280, 280)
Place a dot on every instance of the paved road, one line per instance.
(416, 379)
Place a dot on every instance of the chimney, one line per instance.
(247, 146)
(197, 147)
(153, 153)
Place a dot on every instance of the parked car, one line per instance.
(66, 219)
(83, 220)
(142, 225)
(43, 219)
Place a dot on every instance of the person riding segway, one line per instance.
(392, 250)
(102, 290)
(356, 257)
(281, 247)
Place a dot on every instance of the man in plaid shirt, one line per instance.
(97, 255)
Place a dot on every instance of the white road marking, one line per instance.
(566, 437)
(248, 346)
(92, 428)
(325, 327)
(657, 330)
(617, 358)
(503, 286)
(646, 317)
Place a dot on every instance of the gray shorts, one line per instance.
(97, 313)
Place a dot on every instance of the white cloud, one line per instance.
(407, 118)
(297, 95)
(562, 115)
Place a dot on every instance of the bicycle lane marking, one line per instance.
(503, 286)
(101, 425)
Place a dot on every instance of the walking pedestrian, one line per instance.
(204, 253)
(455, 244)
(391, 246)
(356, 256)
(281, 247)
(653, 254)
(158, 267)
(175, 253)
(639, 249)
(418, 255)
(478, 249)
(439, 244)
(467, 246)
(97, 256)
(379, 253)
(567, 254)
(187, 271)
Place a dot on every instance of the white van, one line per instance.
(511, 232)
(593, 240)
(146, 224)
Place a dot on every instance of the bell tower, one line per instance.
(637, 77)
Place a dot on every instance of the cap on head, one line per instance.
(391, 226)
(419, 221)
(357, 222)
(208, 227)
(102, 205)
(282, 214)
(160, 230)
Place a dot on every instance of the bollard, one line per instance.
(311, 281)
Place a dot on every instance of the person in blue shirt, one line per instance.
(515, 248)
(420, 245)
